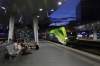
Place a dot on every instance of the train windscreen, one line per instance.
(71, 32)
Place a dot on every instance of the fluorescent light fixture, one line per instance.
(3, 7)
(59, 3)
(52, 10)
(40, 9)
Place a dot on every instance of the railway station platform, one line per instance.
(97, 40)
(53, 54)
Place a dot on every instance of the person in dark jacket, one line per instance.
(35, 46)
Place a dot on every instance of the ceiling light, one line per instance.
(52, 10)
(92, 24)
(59, 3)
(22, 22)
(3, 7)
(1, 27)
(26, 27)
(98, 22)
(40, 9)
(19, 20)
(38, 16)
(87, 25)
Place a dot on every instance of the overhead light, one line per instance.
(59, 3)
(92, 24)
(87, 25)
(26, 27)
(19, 20)
(98, 22)
(40, 9)
(38, 16)
(3, 7)
(1, 27)
(22, 22)
(52, 10)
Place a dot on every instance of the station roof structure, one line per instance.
(49, 12)
(94, 25)
(25, 9)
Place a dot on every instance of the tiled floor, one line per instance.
(50, 54)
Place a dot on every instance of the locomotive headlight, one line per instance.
(76, 37)
(66, 38)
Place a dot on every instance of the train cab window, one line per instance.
(71, 32)
(61, 32)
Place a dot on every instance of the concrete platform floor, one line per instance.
(52, 54)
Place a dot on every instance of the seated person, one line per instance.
(35, 46)
(25, 48)
(10, 41)
(17, 45)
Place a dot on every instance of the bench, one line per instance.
(12, 51)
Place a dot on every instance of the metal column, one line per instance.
(95, 35)
(35, 27)
(11, 27)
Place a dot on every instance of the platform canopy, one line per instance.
(36, 6)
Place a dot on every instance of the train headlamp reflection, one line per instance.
(76, 37)
(66, 38)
